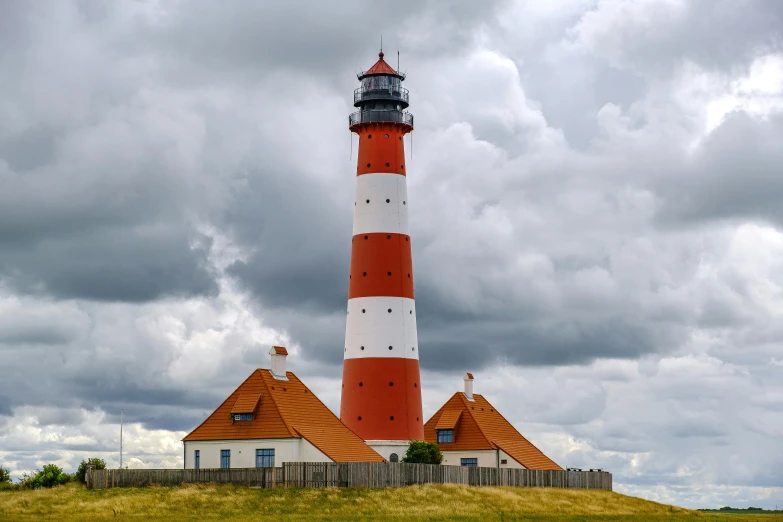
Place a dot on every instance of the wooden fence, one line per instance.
(351, 474)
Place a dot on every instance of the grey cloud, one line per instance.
(200, 158)
(133, 266)
(734, 174)
(655, 37)
(298, 217)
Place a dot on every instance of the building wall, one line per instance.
(243, 452)
(486, 458)
(387, 447)
(511, 463)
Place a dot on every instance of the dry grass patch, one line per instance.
(430, 502)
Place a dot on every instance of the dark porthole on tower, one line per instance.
(387, 164)
(388, 236)
(391, 384)
(389, 310)
(362, 347)
(366, 237)
(391, 418)
(388, 200)
(385, 135)
(365, 273)
(368, 164)
(360, 417)
(388, 273)
(361, 384)
(368, 199)
(390, 347)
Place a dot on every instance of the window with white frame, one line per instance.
(472, 462)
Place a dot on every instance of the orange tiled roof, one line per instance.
(246, 403)
(483, 427)
(380, 67)
(286, 409)
(470, 375)
(448, 420)
(280, 350)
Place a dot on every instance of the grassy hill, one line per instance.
(199, 502)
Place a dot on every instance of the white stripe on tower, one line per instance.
(381, 204)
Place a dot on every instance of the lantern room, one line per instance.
(381, 97)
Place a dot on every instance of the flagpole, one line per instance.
(121, 411)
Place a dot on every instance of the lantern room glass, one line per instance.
(381, 83)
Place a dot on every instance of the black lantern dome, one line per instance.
(381, 97)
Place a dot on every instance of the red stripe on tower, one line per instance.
(381, 395)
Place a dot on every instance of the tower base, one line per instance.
(388, 448)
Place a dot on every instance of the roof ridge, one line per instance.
(316, 446)
(218, 407)
(287, 424)
(499, 445)
(478, 424)
(327, 408)
(518, 433)
(439, 411)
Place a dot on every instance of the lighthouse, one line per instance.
(381, 388)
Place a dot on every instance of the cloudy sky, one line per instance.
(596, 195)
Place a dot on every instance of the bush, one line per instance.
(81, 472)
(5, 475)
(51, 475)
(5, 478)
(422, 452)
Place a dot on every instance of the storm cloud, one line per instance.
(594, 196)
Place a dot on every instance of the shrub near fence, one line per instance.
(352, 474)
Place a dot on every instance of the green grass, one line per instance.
(209, 502)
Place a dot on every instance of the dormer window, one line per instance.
(445, 436)
(244, 407)
(447, 424)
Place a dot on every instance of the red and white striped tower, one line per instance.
(381, 395)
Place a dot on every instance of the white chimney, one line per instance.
(468, 386)
(278, 354)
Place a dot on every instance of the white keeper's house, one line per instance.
(472, 432)
(270, 419)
